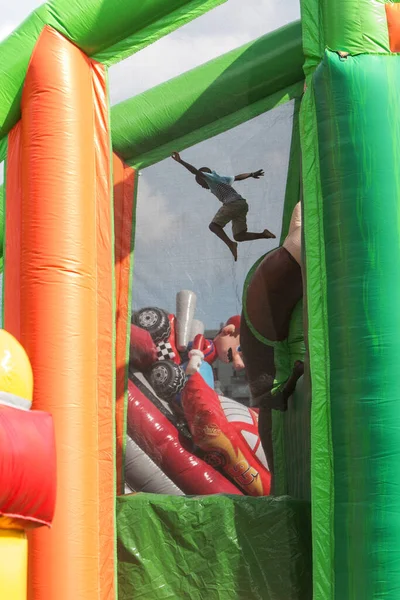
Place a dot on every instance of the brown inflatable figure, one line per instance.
(272, 350)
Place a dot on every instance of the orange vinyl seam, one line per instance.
(393, 21)
(59, 308)
(124, 191)
(105, 333)
(12, 270)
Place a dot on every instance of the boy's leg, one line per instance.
(221, 219)
(249, 236)
(217, 229)
(239, 227)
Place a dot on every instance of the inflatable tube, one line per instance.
(159, 439)
(143, 475)
(144, 386)
(215, 435)
(27, 468)
(143, 351)
(245, 421)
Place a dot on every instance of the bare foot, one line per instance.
(233, 248)
(268, 235)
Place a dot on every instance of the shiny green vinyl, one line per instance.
(358, 124)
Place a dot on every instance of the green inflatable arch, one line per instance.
(350, 142)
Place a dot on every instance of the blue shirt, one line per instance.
(221, 187)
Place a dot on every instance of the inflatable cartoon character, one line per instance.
(272, 335)
(227, 343)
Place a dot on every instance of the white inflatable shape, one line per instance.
(246, 424)
(196, 329)
(143, 475)
(15, 401)
(185, 311)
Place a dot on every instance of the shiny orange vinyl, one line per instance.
(105, 334)
(393, 21)
(124, 198)
(12, 253)
(65, 324)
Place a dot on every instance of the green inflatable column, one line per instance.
(351, 146)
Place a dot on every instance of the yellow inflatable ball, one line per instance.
(15, 368)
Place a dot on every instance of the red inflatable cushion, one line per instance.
(159, 439)
(143, 351)
(27, 468)
(213, 433)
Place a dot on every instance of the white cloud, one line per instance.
(157, 221)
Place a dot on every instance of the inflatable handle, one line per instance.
(196, 358)
(27, 468)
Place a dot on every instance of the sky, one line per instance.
(176, 250)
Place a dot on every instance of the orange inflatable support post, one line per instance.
(12, 251)
(124, 211)
(66, 312)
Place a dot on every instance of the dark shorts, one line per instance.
(233, 211)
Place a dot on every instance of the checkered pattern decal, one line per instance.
(165, 352)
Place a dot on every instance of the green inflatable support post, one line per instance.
(351, 151)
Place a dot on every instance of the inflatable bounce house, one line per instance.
(124, 471)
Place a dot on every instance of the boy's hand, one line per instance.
(258, 174)
(176, 156)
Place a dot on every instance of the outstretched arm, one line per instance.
(255, 175)
(176, 156)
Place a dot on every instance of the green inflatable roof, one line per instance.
(210, 99)
(107, 30)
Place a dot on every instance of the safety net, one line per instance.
(192, 427)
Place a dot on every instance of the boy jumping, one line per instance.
(234, 207)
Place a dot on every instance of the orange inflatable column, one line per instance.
(66, 312)
(105, 334)
(12, 252)
(124, 223)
